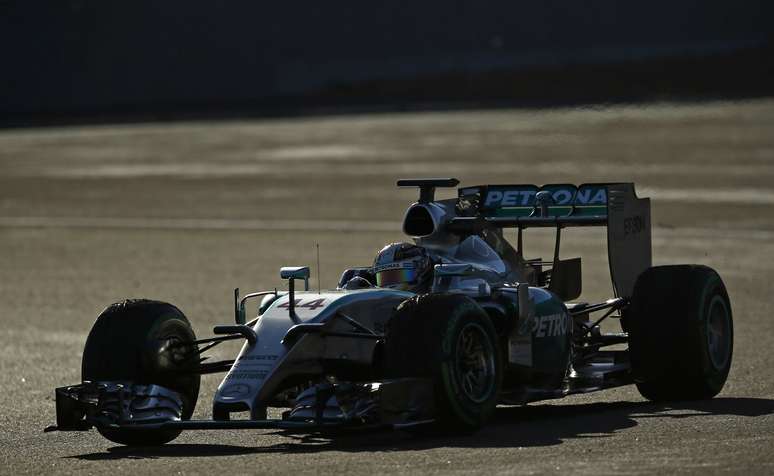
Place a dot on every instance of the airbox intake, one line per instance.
(422, 220)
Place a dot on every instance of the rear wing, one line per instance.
(614, 205)
(529, 205)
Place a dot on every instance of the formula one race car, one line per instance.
(432, 337)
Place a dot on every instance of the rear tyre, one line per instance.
(130, 341)
(680, 333)
(450, 340)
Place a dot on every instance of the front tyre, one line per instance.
(450, 340)
(139, 340)
(680, 333)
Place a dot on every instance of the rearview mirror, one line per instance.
(294, 272)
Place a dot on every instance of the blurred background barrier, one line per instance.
(95, 60)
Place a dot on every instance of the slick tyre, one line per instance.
(680, 333)
(130, 341)
(450, 340)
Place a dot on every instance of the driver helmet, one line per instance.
(403, 266)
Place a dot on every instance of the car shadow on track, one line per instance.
(527, 426)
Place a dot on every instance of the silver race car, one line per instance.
(431, 337)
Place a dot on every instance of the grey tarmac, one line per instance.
(185, 212)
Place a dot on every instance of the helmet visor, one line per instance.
(392, 277)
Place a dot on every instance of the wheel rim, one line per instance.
(719, 333)
(475, 363)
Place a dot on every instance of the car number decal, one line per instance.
(312, 305)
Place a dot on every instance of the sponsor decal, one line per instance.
(249, 362)
(251, 375)
(509, 198)
(551, 325)
(259, 357)
(591, 196)
(634, 225)
(383, 267)
(536, 326)
(236, 390)
(563, 195)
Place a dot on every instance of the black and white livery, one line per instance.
(433, 335)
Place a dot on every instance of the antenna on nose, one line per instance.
(318, 267)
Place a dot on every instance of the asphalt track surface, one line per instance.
(186, 212)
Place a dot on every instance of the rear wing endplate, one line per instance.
(614, 205)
